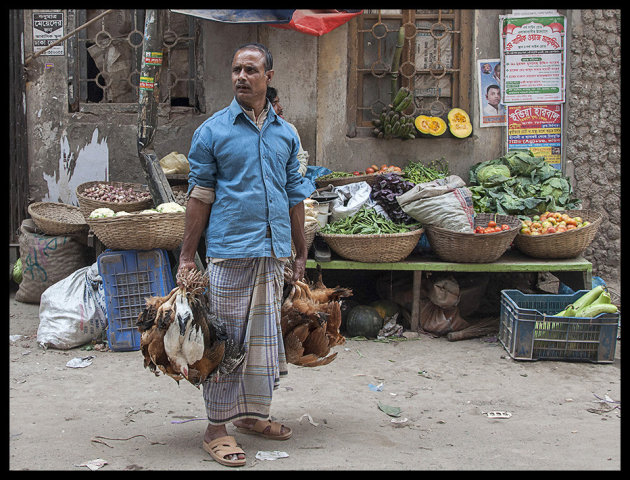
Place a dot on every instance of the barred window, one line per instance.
(434, 63)
(105, 59)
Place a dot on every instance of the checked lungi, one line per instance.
(246, 293)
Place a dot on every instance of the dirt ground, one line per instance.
(561, 416)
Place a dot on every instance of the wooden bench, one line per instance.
(576, 273)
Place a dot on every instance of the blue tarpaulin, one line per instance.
(311, 22)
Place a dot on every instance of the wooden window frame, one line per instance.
(462, 54)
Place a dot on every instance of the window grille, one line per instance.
(434, 63)
(106, 58)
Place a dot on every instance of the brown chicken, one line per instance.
(182, 338)
(310, 322)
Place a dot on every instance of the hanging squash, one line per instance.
(459, 123)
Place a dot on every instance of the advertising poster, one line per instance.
(533, 58)
(537, 128)
(491, 110)
(47, 29)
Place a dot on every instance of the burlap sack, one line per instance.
(47, 259)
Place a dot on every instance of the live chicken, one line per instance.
(181, 337)
(310, 322)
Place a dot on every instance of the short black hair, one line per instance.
(261, 48)
(272, 93)
(492, 86)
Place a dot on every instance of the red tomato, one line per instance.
(505, 227)
(492, 224)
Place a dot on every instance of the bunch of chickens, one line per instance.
(182, 338)
(310, 322)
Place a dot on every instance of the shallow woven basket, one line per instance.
(310, 229)
(463, 247)
(336, 182)
(87, 205)
(389, 247)
(567, 244)
(140, 231)
(54, 218)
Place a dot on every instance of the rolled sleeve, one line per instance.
(203, 166)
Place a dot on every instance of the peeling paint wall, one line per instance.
(89, 163)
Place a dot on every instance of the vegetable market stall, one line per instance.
(573, 272)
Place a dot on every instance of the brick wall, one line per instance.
(593, 137)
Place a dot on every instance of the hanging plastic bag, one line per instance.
(175, 163)
(72, 311)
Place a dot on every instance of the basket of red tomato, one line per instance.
(490, 238)
(563, 234)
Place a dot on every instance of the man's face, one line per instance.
(249, 79)
(493, 96)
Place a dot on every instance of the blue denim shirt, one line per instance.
(256, 180)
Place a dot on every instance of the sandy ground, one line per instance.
(61, 418)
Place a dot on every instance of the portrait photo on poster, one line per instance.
(491, 110)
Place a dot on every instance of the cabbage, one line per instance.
(493, 175)
(17, 271)
(102, 213)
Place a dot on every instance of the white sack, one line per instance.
(72, 311)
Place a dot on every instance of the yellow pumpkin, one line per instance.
(430, 125)
(459, 123)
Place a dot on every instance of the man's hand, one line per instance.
(299, 268)
(184, 266)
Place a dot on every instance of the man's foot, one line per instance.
(226, 451)
(265, 428)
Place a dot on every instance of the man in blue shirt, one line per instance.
(246, 193)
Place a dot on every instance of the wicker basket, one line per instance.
(337, 182)
(57, 218)
(87, 205)
(463, 247)
(391, 247)
(567, 244)
(140, 231)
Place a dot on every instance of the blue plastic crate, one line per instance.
(528, 333)
(129, 276)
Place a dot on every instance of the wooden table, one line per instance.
(576, 273)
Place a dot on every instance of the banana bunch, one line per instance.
(393, 123)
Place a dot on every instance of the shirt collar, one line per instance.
(236, 109)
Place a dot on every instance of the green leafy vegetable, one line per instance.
(532, 186)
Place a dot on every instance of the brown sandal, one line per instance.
(274, 432)
(221, 447)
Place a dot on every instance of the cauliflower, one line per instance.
(170, 207)
(120, 214)
(102, 213)
(149, 210)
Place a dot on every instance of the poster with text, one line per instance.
(491, 110)
(47, 29)
(533, 59)
(537, 128)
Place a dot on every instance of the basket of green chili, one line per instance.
(369, 237)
